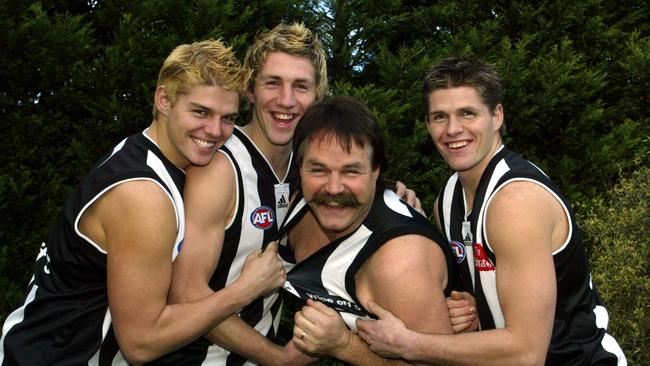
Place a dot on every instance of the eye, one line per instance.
(201, 113)
(272, 83)
(467, 113)
(302, 87)
(229, 119)
(437, 117)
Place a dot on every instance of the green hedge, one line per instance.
(617, 229)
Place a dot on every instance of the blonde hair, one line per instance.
(295, 40)
(208, 63)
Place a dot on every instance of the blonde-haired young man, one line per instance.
(99, 292)
(235, 203)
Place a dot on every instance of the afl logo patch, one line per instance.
(262, 218)
(459, 251)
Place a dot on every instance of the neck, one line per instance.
(277, 155)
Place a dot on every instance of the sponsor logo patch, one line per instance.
(262, 217)
(459, 251)
(481, 260)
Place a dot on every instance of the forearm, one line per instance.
(176, 325)
(237, 336)
(357, 352)
(492, 347)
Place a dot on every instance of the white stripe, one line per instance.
(14, 318)
(610, 345)
(338, 263)
(176, 196)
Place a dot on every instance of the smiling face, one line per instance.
(339, 185)
(464, 130)
(284, 88)
(196, 125)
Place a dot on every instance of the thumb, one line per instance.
(320, 306)
(457, 295)
(378, 310)
(272, 247)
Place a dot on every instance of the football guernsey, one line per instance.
(65, 318)
(262, 202)
(579, 329)
(328, 274)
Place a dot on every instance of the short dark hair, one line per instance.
(348, 120)
(454, 72)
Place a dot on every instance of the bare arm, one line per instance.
(525, 223)
(208, 211)
(419, 301)
(135, 223)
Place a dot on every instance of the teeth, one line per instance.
(283, 116)
(456, 145)
(203, 143)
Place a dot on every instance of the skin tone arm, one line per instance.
(135, 223)
(525, 285)
(461, 305)
(208, 211)
(419, 301)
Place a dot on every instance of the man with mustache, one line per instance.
(354, 240)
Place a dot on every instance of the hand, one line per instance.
(462, 312)
(262, 272)
(388, 336)
(319, 329)
(409, 196)
(294, 357)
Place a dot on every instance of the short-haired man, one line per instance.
(236, 202)
(101, 281)
(516, 236)
(354, 240)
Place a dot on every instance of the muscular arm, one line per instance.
(210, 195)
(418, 300)
(524, 225)
(136, 224)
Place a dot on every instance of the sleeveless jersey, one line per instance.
(579, 329)
(262, 202)
(328, 274)
(65, 319)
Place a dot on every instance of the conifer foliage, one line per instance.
(76, 77)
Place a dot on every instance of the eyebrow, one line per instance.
(201, 106)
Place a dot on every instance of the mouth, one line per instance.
(283, 119)
(205, 144)
(457, 144)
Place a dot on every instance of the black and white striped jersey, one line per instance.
(579, 330)
(328, 274)
(65, 319)
(262, 201)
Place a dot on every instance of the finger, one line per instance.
(462, 319)
(457, 328)
(272, 247)
(320, 307)
(400, 188)
(378, 310)
(463, 311)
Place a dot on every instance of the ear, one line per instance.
(250, 95)
(497, 117)
(161, 98)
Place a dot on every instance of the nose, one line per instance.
(454, 126)
(287, 98)
(334, 184)
(213, 127)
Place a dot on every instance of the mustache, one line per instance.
(341, 200)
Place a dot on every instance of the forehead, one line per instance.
(455, 98)
(213, 97)
(328, 149)
(286, 66)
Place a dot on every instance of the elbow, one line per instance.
(139, 352)
(532, 357)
